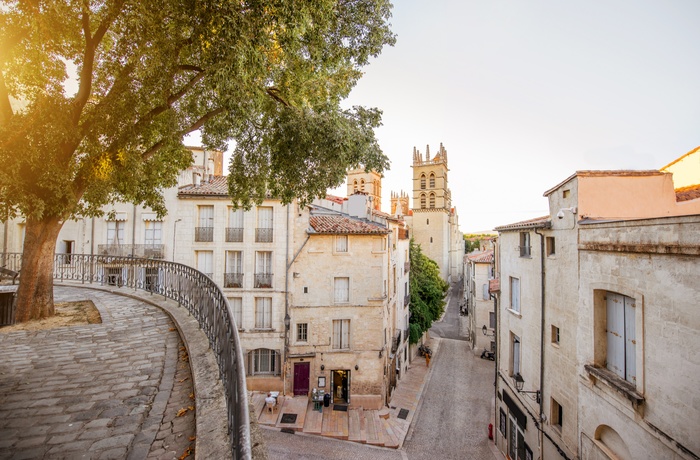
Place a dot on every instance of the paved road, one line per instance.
(302, 447)
(452, 326)
(452, 422)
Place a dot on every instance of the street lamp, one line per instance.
(519, 382)
(485, 330)
(287, 321)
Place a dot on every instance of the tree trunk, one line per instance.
(35, 291)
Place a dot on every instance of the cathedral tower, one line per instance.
(367, 182)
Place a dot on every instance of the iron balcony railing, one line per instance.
(192, 290)
(146, 251)
(263, 280)
(233, 280)
(204, 234)
(234, 235)
(263, 235)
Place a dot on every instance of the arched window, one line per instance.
(432, 180)
(263, 361)
(422, 201)
(422, 181)
(432, 200)
(354, 185)
(362, 185)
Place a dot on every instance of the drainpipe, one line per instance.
(286, 308)
(542, 323)
(133, 232)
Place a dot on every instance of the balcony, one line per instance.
(263, 280)
(146, 251)
(263, 235)
(233, 280)
(204, 234)
(234, 235)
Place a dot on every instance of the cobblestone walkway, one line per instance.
(100, 391)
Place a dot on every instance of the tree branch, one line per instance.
(193, 127)
(5, 106)
(272, 92)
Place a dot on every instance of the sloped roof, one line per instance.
(494, 285)
(538, 222)
(345, 225)
(485, 257)
(336, 199)
(680, 158)
(217, 187)
(691, 192)
(606, 173)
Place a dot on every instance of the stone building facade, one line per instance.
(596, 326)
(479, 304)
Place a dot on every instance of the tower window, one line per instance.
(432, 200)
(422, 201)
(422, 181)
(432, 180)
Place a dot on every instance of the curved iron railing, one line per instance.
(192, 290)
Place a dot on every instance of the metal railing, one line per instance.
(263, 280)
(233, 280)
(263, 235)
(234, 235)
(204, 234)
(147, 251)
(192, 290)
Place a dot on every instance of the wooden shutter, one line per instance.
(615, 333)
(336, 333)
(630, 342)
(346, 333)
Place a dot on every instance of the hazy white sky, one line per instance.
(522, 94)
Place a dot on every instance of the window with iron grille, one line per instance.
(204, 232)
(234, 231)
(264, 229)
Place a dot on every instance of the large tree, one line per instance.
(266, 74)
(428, 291)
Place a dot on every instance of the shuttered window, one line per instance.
(341, 243)
(237, 307)
(516, 355)
(515, 294)
(621, 336)
(264, 361)
(342, 290)
(263, 313)
(341, 334)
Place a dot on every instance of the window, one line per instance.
(115, 232)
(342, 290)
(341, 334)
(234, 231)
(549, 242)
(432, 180)
(524, 244)
(422, 181)
(432, 200)
(263, 361)
(555, 335)
(263, 269)
(565, 193)
(515, 354)
(263, 232)
(515, 294)
(492, 320)
(341, 243)
(557, 415)
(233, 277)
(205, 230)
(205, 262)
(485, 291)
(354, 185)
(621, 336)
(516, 439)
(422, 200)
(302, 332)
(154, 233)
(237, 308)
(263, 313)
(362, 185)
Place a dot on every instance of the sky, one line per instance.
(523, 94)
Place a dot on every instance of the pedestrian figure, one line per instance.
(427, 360)
(270, 402)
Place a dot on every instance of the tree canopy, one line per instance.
(268, 75)
(427, 292)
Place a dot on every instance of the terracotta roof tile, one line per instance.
(217, 187)
(691, 192)
(336, 199)
(485, 257)
(494, 285)
(538, 222)
(343, 225)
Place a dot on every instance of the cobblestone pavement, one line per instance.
(455, 410)
(99, 391)
(285, 446)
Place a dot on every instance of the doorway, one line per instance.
(301, 379)
(340, 386)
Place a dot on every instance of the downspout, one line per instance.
(542, 323)
(286, 308)
(133, 232)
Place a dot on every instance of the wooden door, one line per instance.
(301, 379)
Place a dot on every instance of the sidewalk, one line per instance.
(387, 427)
(110, 390)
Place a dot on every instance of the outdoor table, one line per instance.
(318, 402)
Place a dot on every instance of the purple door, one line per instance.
(301, 379)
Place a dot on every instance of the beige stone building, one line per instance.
(596, 322)
(434, 222)
(479, 304)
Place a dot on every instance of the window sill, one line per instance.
(515, 312)
(622, 386)
(263, 329)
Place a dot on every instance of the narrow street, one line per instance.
(452, 422)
